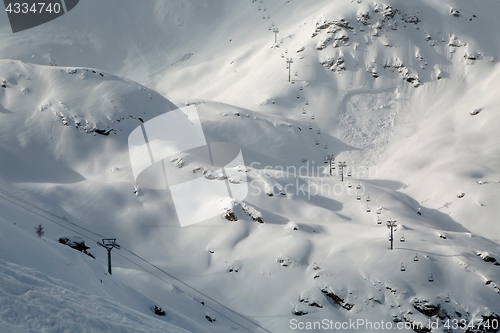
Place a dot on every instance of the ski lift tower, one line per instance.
(342, 165)
(391, 224)
(276, 31)
(289, 62)
(331, 160)
(109, 244)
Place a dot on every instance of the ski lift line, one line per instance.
(193, 296)
(15, 197)
(46, 218)
(430, 272)
(196, 290)
(12, 200)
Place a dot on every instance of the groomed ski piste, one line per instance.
(403, 92)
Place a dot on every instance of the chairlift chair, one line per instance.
(402, 239)
(431, 278)
(319, 131)
(368, 208)
(358, 187)
(317, 143)
(349, 173)
(358, 197)
(349, 185)
(303, 110)
(415, 258)
(310, 126)
(312, 117)
(402, 268)
(326, 146)
(307, 102)
(447, 299)
(368, 197)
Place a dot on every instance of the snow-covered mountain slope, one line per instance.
(65, 290)
(183, 50)
(388, 87)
